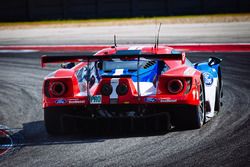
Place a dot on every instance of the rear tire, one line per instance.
(199, 115)
(217, 98)
(53, 121)
(195, 117)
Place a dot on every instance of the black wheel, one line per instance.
(200, 115)
(53, 121)
(194, 116)
(217, 98)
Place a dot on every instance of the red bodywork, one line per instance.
(188, 95)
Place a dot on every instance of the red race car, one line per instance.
(129, 89)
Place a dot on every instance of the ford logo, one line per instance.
(60, 101)
(150, 100)
(208, 78)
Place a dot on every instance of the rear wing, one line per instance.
(90, 58)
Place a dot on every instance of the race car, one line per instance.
(144, 88)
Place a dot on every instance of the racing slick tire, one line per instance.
(217, 98)
(53, 121)
(195, 117)
(199, 115)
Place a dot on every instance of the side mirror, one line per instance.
(67, 65)
(214, 61)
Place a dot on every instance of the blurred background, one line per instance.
(34, 10)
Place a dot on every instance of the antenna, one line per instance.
(157, 37)
(115, 40)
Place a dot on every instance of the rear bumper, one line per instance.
(149, 100)
(121, 109)
(120, 118)
(116, 125)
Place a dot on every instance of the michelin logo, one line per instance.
(168, 100)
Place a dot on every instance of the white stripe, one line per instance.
(132, 48)
(210, 92)
(136, 47)
(118, 72)
(114, 83)
(146, 88)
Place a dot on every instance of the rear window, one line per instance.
(119, 64)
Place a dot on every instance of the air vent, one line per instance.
(149, 64)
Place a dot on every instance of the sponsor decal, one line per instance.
(150, 100)
(168, 100)
(76, 101)
(60, 101)
(97, 99)
(208, 78)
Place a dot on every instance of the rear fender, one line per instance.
(211, 76)
(67, 76)
(205, 68)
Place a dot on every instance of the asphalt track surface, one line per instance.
(234, 32)
(224, 141)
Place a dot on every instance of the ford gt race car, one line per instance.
(130, 89)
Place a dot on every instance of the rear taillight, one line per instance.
(175, 86)
(58, 88)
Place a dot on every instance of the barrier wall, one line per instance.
(29, 10)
